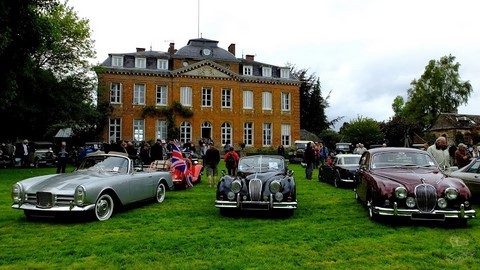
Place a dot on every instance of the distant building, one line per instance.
(451, 123)
(233, 100)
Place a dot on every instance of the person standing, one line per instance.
(323, 154)
(439, 151)
(156, 151)
(231, 161)
(25, 151)
(281, 150)
(475, 152)
(309, 159)
(210, 162)
(462, 156)
(62, 158)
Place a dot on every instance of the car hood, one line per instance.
(411, 177)
(61, 183)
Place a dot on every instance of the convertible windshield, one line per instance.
(261, 164)
(395, 159)
(105, 163)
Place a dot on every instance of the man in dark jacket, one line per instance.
(210, 162)
(309, 158)
(156, 151)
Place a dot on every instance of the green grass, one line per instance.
(329, 230)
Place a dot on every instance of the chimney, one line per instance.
(140, 49)
(250, 57)
(171, 48)
(231, 49)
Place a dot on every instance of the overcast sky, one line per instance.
(365, 52)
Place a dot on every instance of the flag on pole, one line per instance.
(179, 163)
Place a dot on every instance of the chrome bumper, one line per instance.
(65, 208)
(255, 205)
(417, 214)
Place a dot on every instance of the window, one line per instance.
(185, 132)
(186, 95)
(162, 95)
(226, 98)
(206, 97)
(138, 130)
(267, 71)
(115, 93)
(140, 62)
(248, 70)
(286, 138)
(139, 94)
(162, 129)
(162, 64)
(117, 61)
(285, 73)
(267, 100)
(285, 101)
(248, 133)
(226, 134)
(114, 129)
(248, 99)
(267, 134)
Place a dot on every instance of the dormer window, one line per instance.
(117, 61)
(162, 64)
(247, 70)
(140, 62)
(266, 71)
(285, 73)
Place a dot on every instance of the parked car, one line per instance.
(296, 155)
(179, 178)
(343, 148)
(263, 182)
(44, 155)
(99, 185)
(342, 170)
(407, 182)
(470, 175)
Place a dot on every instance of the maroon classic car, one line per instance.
(407, 182)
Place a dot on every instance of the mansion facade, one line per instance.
(231, 100)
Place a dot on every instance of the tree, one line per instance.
(363, 130)
(47, 85)
(439, 90)
(399, 132)
(312, 104)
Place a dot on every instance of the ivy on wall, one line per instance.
(169, 113)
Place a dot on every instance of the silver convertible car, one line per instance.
(100, 183)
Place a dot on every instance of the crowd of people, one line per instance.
(454, 155)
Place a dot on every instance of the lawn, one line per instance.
(329, 230)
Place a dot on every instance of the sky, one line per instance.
(364, 52)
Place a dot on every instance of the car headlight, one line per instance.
(17, 193)
(451, 193)
(279, 196)
(401, 192)
(236, 186)
(80, 194)
(275, 186)
(410, 202)
(442, 203)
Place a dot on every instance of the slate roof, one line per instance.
(446, 121)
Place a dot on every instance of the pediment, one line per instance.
(206, 68)
(206, 71)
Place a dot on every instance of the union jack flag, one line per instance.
(178, 163)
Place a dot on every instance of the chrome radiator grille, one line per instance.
(426, 197)
(255, 187)
(45, 199)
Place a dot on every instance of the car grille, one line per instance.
(47, 199)
(255, 187)
(44, 199)
(426, 197)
